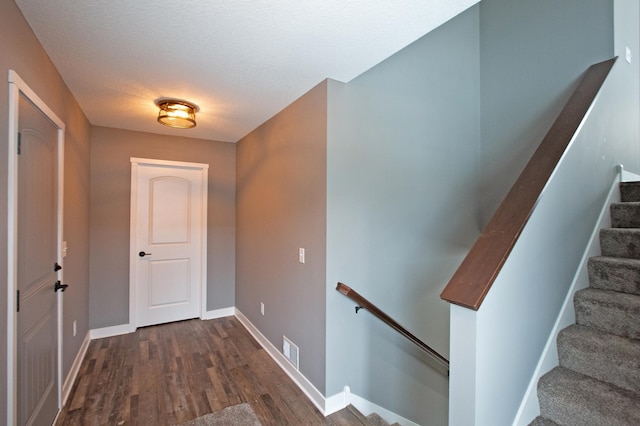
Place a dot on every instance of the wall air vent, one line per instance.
(291, 352)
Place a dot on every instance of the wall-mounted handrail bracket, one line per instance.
(365, 304)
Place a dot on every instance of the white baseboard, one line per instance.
(314, 395)
(219, 313)
(337, 402)
(75, 367)
(626, 176)
(328, 405)
(529, 408)
(116, 330)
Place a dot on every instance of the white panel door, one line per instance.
(168, 240)
(37, 313)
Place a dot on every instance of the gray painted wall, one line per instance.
(22, 52)
(111, 150)
(281, 207)
(403, 161)
(532, 54)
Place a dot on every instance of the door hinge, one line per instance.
(18, 300)
(19, 143)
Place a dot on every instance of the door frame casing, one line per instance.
(133, 256)
(17, 87)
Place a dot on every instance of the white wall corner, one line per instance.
(75, 367)
(337, 402)
(463, 365)
(219, 313)
(627, 176)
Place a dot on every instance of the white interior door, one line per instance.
(168, 240)
(37, 271)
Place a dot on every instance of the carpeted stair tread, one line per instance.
(541, 421)
(620, 242)
(616, 274)
(625, 215)
(609, 311)
(630, 191)
(570, 398)
(603, 356)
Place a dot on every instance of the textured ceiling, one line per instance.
(241, 61)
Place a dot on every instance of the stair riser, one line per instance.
(572, 399)
(624, 243)
(630, 191)
(619, 319)
(625, 215)
(615, 275)
(610, 360)
(570, 415)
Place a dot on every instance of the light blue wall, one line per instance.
(518, 314)
(421, 150)
(532, 54)
(498, 347)
(402, 167)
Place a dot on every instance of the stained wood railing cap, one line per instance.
(471, 282)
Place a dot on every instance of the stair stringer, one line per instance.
(530, 408)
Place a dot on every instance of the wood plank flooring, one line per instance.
(171, 373)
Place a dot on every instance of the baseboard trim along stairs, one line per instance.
(597, 381)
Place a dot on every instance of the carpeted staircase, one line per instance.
(598, 380)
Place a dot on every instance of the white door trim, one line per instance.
(16, 87)
(133, 256)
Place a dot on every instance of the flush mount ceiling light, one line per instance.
(177, 113)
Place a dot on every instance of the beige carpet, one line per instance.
(236, 415)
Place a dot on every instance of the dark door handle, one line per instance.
(56, 267)
(60, 286)
(143, 254)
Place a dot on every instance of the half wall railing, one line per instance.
(471, 282)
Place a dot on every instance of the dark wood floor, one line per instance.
(171, 373)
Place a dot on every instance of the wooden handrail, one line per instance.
(365, 304)
(473, 279)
